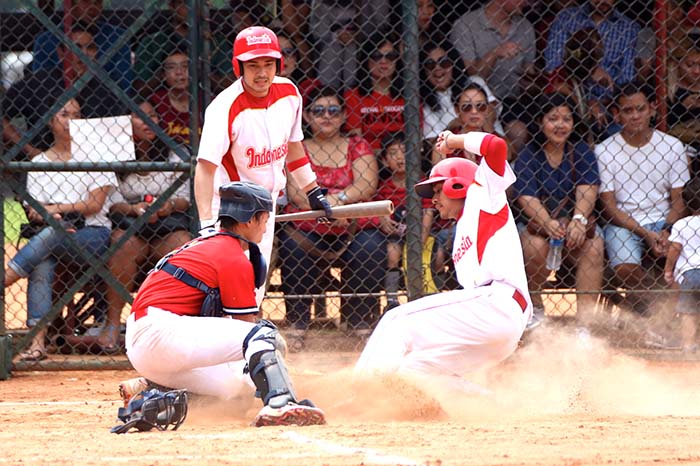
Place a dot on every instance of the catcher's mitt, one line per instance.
(153, 408)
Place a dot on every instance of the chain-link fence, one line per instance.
(597, 99)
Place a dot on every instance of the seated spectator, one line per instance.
(337, 54)
(291, 69)
(393, 188)
(164, 231)
(46, 55)
(618, 32)
(582, 77)
(556, 188)
(76, 194)
(684, 100)
(375, 107)
(347, 167)
(153, 48)
(642, 173)
(172, 101)
(473, 109)
(498, 44)
(26, 99)
(683, 265)
(441, 80)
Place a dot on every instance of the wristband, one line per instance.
(206, 223)
(342, 197)
(302, 175)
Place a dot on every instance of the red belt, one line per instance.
(140, 312)
(520, 299)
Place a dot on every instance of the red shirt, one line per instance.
(219, 262)
(335, 179)
(173, 122)
(388, 190)
(375, 115)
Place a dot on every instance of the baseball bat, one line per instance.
(361, 209)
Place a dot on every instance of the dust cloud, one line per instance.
(554, 374)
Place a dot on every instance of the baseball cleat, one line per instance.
(131, 387)
(290, 415)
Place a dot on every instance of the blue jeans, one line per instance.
(689, 303)
(624, 247)
(38, 258)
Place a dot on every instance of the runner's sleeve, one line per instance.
(494, 172)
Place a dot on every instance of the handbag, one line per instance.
(535, 228)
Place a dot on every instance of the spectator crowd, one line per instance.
(603, 147)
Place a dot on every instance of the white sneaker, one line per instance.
(129, 388)
(292, 414)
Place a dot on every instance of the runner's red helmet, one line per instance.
(456, 172)
(254, 42)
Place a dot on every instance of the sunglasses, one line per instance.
(467, 108)
(331, 110)
(393, 55)
(443, 62)
(288, 52)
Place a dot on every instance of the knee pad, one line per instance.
(264, 336)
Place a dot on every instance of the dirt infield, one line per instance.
(554, 402)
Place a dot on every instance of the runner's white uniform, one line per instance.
(247, 138)
(459, 331)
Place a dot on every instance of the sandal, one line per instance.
(33, 355)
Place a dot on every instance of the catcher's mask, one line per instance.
(456, 172)
(153, 408)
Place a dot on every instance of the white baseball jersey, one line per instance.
(487, 247)
(247, 138)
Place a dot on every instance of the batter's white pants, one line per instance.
(201, 354)
(450, 333)
(265, 246)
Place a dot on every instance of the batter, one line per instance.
(252, 132)
(452, 333)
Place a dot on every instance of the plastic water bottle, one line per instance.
(554, 254)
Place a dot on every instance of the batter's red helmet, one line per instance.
(254, 42)
(456, 172)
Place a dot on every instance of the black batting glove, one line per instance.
(317, 201)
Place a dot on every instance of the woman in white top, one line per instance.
(81, 194)
(165, 230)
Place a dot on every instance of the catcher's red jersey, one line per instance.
(211, 260)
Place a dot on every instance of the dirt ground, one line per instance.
(555, 401)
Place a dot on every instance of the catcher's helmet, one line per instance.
(240, 200)
(456, 172)
(255, 42)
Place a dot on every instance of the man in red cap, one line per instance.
(252, 132)
(450, 334)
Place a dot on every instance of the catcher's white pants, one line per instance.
(450, 333)
(201, 354)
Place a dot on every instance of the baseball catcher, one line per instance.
(193, 325)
